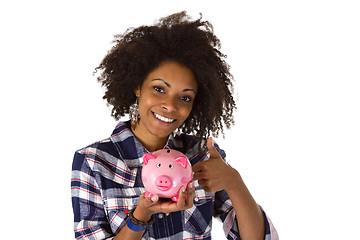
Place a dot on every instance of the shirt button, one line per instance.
(196, 199)
(160, 216)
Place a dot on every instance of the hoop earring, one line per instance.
(134, 113)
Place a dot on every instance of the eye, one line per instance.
(186, 99)
(171, 166)
(158, 165)
(159, 89)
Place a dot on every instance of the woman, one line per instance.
(173, 81)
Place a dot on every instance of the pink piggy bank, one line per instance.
(165, 172)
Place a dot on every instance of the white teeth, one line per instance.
(164, 119)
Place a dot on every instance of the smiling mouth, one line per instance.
(164, 119)
(163, 188)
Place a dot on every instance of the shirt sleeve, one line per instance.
(90, 221)
(224, 211)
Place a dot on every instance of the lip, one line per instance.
(163, 188)
(162, 122)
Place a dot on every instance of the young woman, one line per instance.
(173, 81)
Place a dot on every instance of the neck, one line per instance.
(150, 142)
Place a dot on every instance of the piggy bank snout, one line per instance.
(163, 182)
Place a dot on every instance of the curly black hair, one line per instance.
(177, 38)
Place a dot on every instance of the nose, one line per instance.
(169, 104)
(163, 182)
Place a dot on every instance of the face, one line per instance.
(166, 98)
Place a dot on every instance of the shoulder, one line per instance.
(190, 145)
(192, 142)
(104, 161)
(95, 152)
(103, 146)
(194, 147)
(185, 142)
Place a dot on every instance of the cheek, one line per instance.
(146, 102)
(143, 102)
(185, 116)
(186, 110)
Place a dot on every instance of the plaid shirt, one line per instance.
(106, 184)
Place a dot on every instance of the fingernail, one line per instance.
(154, 198)
(183, 189)
(191, 185)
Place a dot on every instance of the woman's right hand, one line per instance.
(148, 206)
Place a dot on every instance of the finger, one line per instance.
(197, 167)
(150, 201)
(181, 201)
(190, 187)
(190, 194)
(203, 183)
(198, 175)
(211, 147)
(208, 189)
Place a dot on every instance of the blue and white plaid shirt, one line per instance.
(106, 184)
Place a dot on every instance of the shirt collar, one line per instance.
(130, 149)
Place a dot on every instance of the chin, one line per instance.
(161, 134)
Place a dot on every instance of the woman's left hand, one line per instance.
(214, 174)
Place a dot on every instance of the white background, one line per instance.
(296, 139)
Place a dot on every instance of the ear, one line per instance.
(182, 160)
(137, 91)
(147, 157)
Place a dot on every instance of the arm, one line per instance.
(249, 216)
(148, 206)
(142, 214)
(215, 175)
(90, 218)
(90, 221)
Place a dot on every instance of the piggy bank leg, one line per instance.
(175, 198)
(148, 194)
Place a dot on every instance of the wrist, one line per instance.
(235, 181)
(142, 214)
(138, 225)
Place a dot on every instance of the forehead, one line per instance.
(175, 74)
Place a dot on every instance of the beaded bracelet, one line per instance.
(137, 225)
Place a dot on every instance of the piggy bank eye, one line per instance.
(158, 165)
(171, 166)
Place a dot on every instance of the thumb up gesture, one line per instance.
(214, 174)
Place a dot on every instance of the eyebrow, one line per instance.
(169, 86)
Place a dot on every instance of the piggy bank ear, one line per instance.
(182, 160)
(147, 157)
